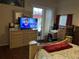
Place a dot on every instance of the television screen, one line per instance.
(33, 22)
(28, 23)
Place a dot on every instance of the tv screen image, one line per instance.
(33, 22)
(24, 23)
(27, 23)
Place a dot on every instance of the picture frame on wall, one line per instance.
(19, 3)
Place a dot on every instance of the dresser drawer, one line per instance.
(16, 33)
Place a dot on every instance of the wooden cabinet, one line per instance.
(33, 49)
(76, 36)
(21, 37)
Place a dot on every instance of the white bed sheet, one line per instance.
(71, 53)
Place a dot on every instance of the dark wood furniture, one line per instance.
(76, 36)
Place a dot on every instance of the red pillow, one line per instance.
(57, 46)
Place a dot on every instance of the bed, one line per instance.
(70, 53)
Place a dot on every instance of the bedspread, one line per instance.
(71, 53)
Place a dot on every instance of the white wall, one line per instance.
(44, 3)
(6, 15)
(69, 7)
(29, 4)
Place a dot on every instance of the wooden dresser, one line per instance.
(76, 36)
(21, 38)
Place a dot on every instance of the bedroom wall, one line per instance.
(51, 4)
(69, 7)
(44, 3)
(6, 15)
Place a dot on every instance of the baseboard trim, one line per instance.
(4, 44)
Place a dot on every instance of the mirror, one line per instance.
(16, 15)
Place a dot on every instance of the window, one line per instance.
(44, 16)
(38, 13)
(63, 20)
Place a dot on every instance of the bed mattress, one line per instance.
(71, 53)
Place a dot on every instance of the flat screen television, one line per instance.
(33, 23)
(27, 23)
